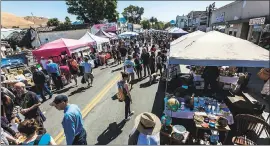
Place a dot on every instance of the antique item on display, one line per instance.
(222, 122)
(173, 104)
(166, 120)
(198, 119)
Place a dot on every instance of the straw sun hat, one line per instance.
(147, 123)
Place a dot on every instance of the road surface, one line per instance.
(103, 116)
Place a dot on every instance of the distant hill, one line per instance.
(9, 20)
(37, 20)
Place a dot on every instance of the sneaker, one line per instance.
(50, 96)
(127, 119)
(131, 113)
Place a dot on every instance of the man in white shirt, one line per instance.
(129, 68)
(87, 71)
(146, 130)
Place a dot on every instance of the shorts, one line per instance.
(88, 75)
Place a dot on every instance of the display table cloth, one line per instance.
(188, 114)
(223, 79)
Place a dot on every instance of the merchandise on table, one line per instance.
(203, 105)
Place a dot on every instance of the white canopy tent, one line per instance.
(218, 49)
(188, 36)
(176, 30)
(127, 34)
(89, 38)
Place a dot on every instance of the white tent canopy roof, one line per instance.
(128, 34)
(88, 37)
(188, 36)
(218, 49)
(176, 30)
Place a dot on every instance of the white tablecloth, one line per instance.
(223, 79)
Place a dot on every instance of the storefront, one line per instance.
(258, 30)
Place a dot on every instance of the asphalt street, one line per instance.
(103, 116)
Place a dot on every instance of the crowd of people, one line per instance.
(137, 56)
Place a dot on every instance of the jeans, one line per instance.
(139, 72)
(127, 107)
(80, 139)
(57, 81)
(41, 88)
(146, 67)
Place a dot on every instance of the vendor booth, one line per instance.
(199, 50)
(57, 47)
(88, 37)
(103, 34)
(128, 34)
(177, 32)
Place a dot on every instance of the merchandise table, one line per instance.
(189, 114)
(223, 79)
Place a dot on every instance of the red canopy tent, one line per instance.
(55, 48)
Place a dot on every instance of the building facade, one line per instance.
(197, 20)
(243, 19)
(181, 21)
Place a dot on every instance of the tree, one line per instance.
(67, 21)
(145, 24)
(92, 11)
(133, 14)
(168, 24)
(53, 22)
(153, 20)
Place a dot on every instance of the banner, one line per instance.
(109, 27)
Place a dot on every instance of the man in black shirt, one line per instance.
(123, 52)
(145, 58)
(29, 103)
(39, 79)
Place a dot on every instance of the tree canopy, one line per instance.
(145, 24)
(53, 22)
(67, 21)
(93, 11)
(133, 14)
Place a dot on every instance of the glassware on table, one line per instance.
(209, 109)
(213, 109)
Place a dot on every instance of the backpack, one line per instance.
(74, 65)
(122, 93)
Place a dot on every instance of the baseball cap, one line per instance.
(58, 99)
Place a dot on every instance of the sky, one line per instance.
(162, 10)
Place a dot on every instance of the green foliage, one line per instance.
(146, 24)
(153, 20)
(133, 14)
(168, 24)
(53, 22)
(93, 11)
(67, 21)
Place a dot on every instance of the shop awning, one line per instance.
(218, 49)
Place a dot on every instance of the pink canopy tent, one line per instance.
(55, 48)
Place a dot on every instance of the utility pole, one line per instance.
(209, 10)
(39, 41)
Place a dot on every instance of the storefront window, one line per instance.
(234, 34)
(255, 36)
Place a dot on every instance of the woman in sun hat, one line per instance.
(146, 130)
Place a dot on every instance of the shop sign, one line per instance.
(257, 21)
(221, 17)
